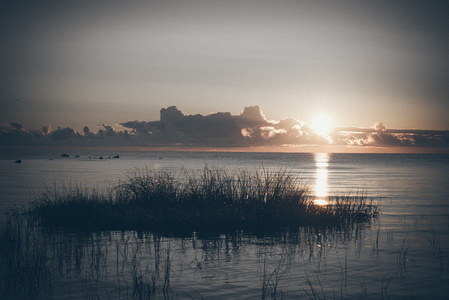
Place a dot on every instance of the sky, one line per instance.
(347, 63)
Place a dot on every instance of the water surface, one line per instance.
(404, 253)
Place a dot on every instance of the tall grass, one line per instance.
(24, 261)
(212, 200)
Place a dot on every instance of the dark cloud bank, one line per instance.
(248, 129)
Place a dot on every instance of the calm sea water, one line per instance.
(404, 253)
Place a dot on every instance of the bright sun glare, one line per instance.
(322, 125)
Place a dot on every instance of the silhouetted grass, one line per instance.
(25, 271)
(212, 200)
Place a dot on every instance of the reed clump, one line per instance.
(213, 200)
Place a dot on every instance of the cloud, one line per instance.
(174, 127)
(64, 133)
(380, 136)
(249, 128)
(221, 129)
(12, 128)
(252, 116)
(109, 131)
(46, 130)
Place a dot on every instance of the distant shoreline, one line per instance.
(266, 149)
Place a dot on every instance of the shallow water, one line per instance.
(404, 253)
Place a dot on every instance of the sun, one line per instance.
(322, 125)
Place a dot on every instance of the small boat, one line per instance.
(18, 161)
(65, 155)
(117, 156)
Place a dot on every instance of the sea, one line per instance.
(402, 254)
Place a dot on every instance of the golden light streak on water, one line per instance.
(321, 188)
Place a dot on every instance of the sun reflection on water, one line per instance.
(321, 189)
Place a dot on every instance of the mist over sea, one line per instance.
(403, 253)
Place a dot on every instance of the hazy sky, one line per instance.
(76, 63)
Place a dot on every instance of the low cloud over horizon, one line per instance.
(250, 128)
